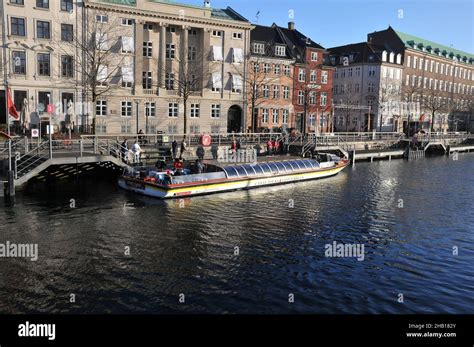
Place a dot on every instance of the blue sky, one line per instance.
(337, 22)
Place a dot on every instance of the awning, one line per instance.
(216, 80)
(217, 53)
(101, 41)
(127, 44)
(127, 74)
(238, 55)
(237, 82)
(102, 73)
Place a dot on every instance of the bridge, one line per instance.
(30, 157)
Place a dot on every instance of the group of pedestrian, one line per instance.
(275, 147)
(174, 149)
(135, 150)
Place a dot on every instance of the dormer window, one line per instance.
(280, 51)
(258, 48)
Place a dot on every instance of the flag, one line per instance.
(11, 106)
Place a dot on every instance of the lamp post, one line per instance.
(137, 102)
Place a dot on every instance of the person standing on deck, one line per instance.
(124, 151)
(136, 152)
(182, 150)
(276, 147)
(174, 148)
(269, 147)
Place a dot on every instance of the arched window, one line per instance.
(384, 56)
(392, 57)
(399, 58)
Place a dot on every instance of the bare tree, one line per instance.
(433, 102)
(99, 60)
(387, 94)
(348, 103)
(185, 74)
(258, 76)
(411, 95)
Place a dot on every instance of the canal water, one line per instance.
(250, 251)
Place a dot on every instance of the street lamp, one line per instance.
(137, 102)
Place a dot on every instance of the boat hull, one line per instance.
(177, 191)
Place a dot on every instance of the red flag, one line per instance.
(11, 106)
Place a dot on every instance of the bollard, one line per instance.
(10, 189)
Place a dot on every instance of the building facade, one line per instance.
(132, 64)
(367, 85)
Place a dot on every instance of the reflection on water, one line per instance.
(246, 251)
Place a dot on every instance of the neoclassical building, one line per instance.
(145, 55)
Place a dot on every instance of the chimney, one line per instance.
(207, 4)
(291, 25)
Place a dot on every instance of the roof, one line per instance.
(294, 40)
(226, 13)
(362, 52)
(409, 40)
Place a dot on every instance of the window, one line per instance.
(280, 51)
(101, 18)
(312, 120)
(192, 53)
(302, 75)
(313, 76)
(357, 88)
(170, 51)
(148, 49)
(194, 128)
(324, 77)
(42, 3)
(66, 5)
(407, 80)
(42, 30)
(193, 32)
(370, 87)
(147, 26)
(266, 68)
(357, 72)
(44, 64)
(349, 72)
(195, 110)
(276, 69)
(264, 115)
(371, 71)
(258, 48)
(284, 114)
(17, 2)
(312, 97)
(127, 76)
(266, 91)
(125, 127)
(147, 80)
(19, 62)
(169, 81)
(216, 82)
(67, 66)
(314, 56)
(237, 36)
(217, 33)
(276, 92)
(301, 97)
(256, 67)
(126, 108)
(324, 98)
(67, 31)
(150, 109)
(127, 22)
(408, 60)
(18, 26)
(171, 30)
(286, 92)
(287, 70)
(217, 53)
(173, 110)
(101, 108)
(215, 111)
(275, 116)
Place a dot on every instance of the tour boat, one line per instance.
(221, 178)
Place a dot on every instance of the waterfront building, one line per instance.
(434, 91)
(138, 62)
